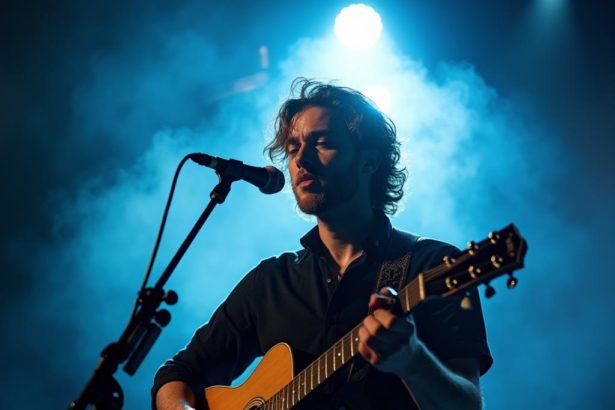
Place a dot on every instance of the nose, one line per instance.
(303, 157)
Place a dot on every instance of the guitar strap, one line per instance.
(394, 268)
(392, 273)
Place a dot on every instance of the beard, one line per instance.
(326, 195)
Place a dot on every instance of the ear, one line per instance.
(370, 162)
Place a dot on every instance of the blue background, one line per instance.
(505, 110)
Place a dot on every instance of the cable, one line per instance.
(150, 265)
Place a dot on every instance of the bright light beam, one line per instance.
(358, 26)
(380, 96)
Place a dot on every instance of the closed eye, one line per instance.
(291, 150)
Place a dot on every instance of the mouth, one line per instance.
(305, 181)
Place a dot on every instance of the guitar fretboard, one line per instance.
(334, 358)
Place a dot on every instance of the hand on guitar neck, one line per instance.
(387, 339)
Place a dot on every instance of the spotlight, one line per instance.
(358, 26)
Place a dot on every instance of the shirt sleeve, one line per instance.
(220, 350)
(448, 330)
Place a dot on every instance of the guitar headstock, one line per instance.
(501, 253)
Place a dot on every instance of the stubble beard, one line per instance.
(328, 197)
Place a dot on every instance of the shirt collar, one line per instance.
(374, 245)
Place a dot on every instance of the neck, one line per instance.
(343, 231)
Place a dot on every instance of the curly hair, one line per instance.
(372, 130)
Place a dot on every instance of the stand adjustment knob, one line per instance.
(163, 317)
(170, 297)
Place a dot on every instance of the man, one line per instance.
(343, 160)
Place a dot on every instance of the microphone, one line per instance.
(268, 179)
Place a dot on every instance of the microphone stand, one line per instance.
(102, 390)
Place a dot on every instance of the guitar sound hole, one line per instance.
(257, 403)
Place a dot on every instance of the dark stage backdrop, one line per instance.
(505, 111)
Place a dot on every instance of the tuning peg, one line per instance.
(472, 248)
(497, 261)
(448, 260)
(489, 291)
(512, 281)
(466, 303)
(493, 237)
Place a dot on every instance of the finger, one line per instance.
(384, 298)
(377, 301)
(377, 333)
(374, 349)
(364, 349)
(385, 318)
(392, 322)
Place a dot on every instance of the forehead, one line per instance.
(310, 119)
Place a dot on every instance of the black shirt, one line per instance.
(296, 298)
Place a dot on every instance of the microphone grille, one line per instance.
(275, 180)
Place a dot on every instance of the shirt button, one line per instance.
(329, 280)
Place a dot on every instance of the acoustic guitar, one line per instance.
(274, 386)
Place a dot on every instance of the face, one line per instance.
(323, 161)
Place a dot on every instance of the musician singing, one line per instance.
(342, 156)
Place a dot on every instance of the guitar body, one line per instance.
(273, 372)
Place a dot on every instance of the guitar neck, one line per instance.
(335, 357)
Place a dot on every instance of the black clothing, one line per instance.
(295, 298)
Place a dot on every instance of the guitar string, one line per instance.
(296, 380)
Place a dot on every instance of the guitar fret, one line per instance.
(288, 390)
(326, 364)
(334, 357)
(349, 349)
(407, 297)
(304, 383)
(311, 376)
(294, 393)
(301, 379)
(298, 389)
(291, 393)
(338, 356)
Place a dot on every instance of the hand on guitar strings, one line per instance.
(387, 340)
